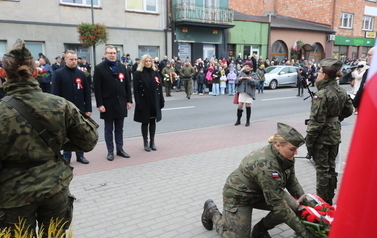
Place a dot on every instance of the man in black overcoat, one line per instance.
(70, 83)
(112, 88)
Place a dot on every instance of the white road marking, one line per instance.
(177, 108)
(273, 99)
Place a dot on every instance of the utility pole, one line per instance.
(94, 46)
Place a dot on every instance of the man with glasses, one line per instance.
(112, 88)
(357, 99)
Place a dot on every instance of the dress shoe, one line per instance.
(82, 160)
(123, 154)
(110, 156)
(210, 209)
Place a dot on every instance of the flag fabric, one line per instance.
(357, 200)
(295, 46)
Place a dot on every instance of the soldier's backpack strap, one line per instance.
(42, 132)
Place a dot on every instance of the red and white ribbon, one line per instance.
(78, 82)
(121, 77)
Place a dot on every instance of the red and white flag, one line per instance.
(357, 201)
(295, 46)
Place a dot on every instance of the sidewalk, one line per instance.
(161, 193)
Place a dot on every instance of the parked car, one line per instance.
(280, 76)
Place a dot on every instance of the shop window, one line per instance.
(153, 51)
(142, 5)
(3, 47)
(85, 3)
(346, 20)
(368, 22)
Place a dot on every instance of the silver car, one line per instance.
(280, 76)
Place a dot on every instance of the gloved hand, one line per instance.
(310, 152)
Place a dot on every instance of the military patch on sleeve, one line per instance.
(275, 175)
(315, 97)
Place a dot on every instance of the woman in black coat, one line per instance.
(149, 99)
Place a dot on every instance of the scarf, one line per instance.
(113, 66)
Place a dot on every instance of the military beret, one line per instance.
(290, 134)
(331, 62)
(58, 57)
(19, 51)
(137, 59)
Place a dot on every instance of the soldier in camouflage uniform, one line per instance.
(330, 105)
(259, 182)
(34, 182)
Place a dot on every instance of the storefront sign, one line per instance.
(354, 41)
(370, 34)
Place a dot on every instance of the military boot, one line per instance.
(144, 132)
(239, 115)
(210, 209)
(260, 231)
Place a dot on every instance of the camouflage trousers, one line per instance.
(167, 87)
(327, 179)
(58, 206)
(235, 222)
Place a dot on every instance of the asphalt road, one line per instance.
(210, 111)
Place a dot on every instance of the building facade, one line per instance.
(353, 21)
(200, 28)
(50, 26)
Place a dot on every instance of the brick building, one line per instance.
(353, 21)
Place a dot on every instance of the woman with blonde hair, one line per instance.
(149, 99)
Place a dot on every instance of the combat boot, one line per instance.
(260, 231)
(210, 209)
(239, 115)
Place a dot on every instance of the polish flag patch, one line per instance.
(315, 97)
(275, 175)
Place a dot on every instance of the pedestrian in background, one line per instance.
(330, 105)
(44, 75)
(246, 84)
(261, 71)
(260, 182)
(149, 100)
(34, 180)
(72, 84)
(231, 77)
(201, 80)
(112, 88)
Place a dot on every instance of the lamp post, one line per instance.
(94, 46)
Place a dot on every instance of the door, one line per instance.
(209, 51)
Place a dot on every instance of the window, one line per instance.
(368, 23)
(150, 50)
(3, 47)
(142, 5)
(35, 48)
(86, 3)
(347, 20)
(80, 50)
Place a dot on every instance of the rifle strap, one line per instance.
(37, 126)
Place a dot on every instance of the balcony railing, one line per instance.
(195, 13)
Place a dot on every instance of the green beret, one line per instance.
(290, 134)
(332, 62)
(19, 51)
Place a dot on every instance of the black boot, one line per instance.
(152, 132)
(239, 115)
(144, 132)
(260, 231)
(210, 209)
(248, 114)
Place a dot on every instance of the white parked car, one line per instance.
(280, 76)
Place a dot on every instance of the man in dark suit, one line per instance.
(112, 88)
(70, 83)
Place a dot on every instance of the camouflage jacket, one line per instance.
(270, 173)
(29, 169)
(328, 102)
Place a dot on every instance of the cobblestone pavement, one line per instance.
(161, 193)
